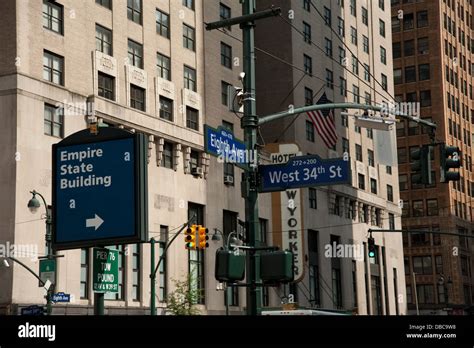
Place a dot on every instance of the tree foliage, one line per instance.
(182, 301)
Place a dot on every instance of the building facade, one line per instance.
(147, 66)
(433, 50)
(343, 49)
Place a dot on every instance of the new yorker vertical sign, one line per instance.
(289, 218)
(99, 189)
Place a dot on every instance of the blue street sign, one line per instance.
(99, 196)
(304, 171)
(222, 143)
(32, 310)
(61, 297)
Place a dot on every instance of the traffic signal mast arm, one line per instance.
(421, 231)
(383, 109)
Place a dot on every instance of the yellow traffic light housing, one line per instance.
(203, 237)
(190, 237)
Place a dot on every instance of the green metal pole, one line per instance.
(99, 303)
(227, 298)
(153, 278)
(250, 124)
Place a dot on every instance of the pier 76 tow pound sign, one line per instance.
(99, 189)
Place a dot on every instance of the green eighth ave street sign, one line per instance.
(105, 276)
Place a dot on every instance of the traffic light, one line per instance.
(450, 157)
(421, 166)
(190, 237)
(371, 247)
(203, 237)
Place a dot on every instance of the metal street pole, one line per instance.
(155, 269)
(152, 278)
(49, 250)
(250, 125)
(416, 294)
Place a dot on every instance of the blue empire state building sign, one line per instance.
(96, 189)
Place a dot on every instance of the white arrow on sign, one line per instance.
(96, 222)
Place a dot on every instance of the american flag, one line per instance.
(324, 123)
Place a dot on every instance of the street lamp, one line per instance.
(33, 205)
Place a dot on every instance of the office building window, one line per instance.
(192, 118)
(226, 55)
(189, 37)
(370, 156)
(163, 23)
(383, 55)
(328, 47)
(310, 131)
(423, 45)
(432, 207)
(53, 16)
(313, 200)
(136, 279)
(134, 10)
(194, 159)
(373, 186)
(308, 96)
(308, 65)
(345, 147)
(423, 72)
(85, 269)
(409, 48)
(313, 260)
(327, 16)
(225, 13)
(307, 5)
(189, 4)
(365, 43)
(418, 209)
(162, 270)
(196, 257)
(365, 16)
(396, 50)
(422, 19)
(225, 93)
(137, 98)
(353, 7)
(329, 79)
(356, 96)
(341, 27)
(53, 121)
(358, 149)
(106, 86)
(103, 40)
(354, 35)
(408, 21)
(382, 27)
(105, 3)
(190, 78)
(390, 193)
(307, 32)
(53, 68)
(384, 82)
(168, 156)
(391, 221)
(361, 178)
(166, 109)
(164, 66)
(135, 54)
